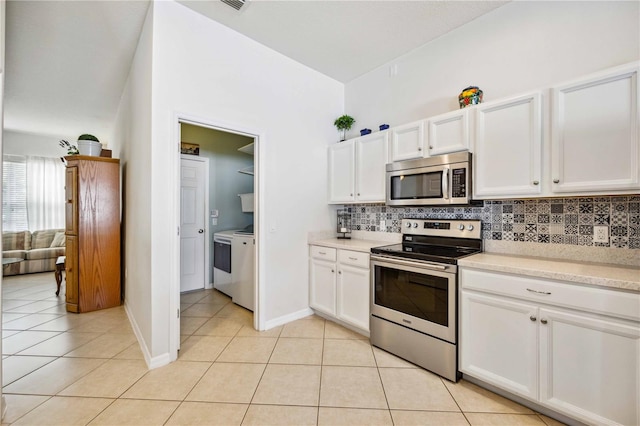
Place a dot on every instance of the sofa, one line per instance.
(38, 250)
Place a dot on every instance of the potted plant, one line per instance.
(344, 123)
(89, 145)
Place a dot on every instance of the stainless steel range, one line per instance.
(414, 292)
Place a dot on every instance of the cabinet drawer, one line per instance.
(326, 253)
(355, 258)
(601, 301)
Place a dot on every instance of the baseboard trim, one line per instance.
(152, 362)
(288, 318)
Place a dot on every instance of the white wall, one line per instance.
(521, 46)
(204, 69)
(132, 144)
(19, 143)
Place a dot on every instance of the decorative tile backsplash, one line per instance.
(552, 221)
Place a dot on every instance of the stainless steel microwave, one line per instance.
(434, 181)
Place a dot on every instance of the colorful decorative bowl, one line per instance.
(365, 132)
(471, 95)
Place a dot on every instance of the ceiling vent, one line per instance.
(236, 4)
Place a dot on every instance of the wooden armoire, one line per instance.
(92, 233)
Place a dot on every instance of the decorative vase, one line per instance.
(471, 95)
(91, 148)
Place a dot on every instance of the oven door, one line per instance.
(419, 186)
(416, 295)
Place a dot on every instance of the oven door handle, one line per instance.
(395, 261)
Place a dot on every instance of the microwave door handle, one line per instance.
(445, 184)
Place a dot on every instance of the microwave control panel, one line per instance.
(459, 183)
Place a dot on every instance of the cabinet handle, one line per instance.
(539, 292)
(556, 181)
(532, 318)
(535, 182)
(544, 321)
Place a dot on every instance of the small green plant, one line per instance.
(87, 137)
(344, 123)
(71, 149)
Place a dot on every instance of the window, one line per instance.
(14, 193)
(32, 193)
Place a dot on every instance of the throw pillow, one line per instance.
(58, 240)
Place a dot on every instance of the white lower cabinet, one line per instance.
(339, 285)
(529, 339)
(499, 343)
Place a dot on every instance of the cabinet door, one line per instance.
(371, 159)
(448, 132)
(322, 283)
(589, 368)
(407, 141)
(71, 272)
(507, 147)
(595, 133)
(71, 200)
(353, 296)
(342, 172)
(498, 342)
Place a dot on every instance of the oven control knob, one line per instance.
(470, 227)
(461, 227)
(415, 224)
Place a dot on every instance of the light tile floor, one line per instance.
(68, 369)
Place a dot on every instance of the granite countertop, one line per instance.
(353, 244)
(597, 274)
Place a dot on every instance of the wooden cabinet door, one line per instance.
(508, 148)
(589, 367)
(407, 141)
(353, 296)
(371, 160)
(499, 342)
(71, 270)
(595, 144)
(342, 158)
(71, 200)
(322, 286)
(448, 132)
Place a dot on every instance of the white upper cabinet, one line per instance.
(371, 160)
(342, 157)
(408, 141)
(448, 132)
(507, 147)
(594, 130)
(357, 169)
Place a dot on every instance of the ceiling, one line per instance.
(67, 61)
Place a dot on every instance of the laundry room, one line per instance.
(227, 212)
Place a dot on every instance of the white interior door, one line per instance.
(193, 175)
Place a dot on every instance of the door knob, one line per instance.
(200, 231)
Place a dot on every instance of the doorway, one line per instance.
(233, 207)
